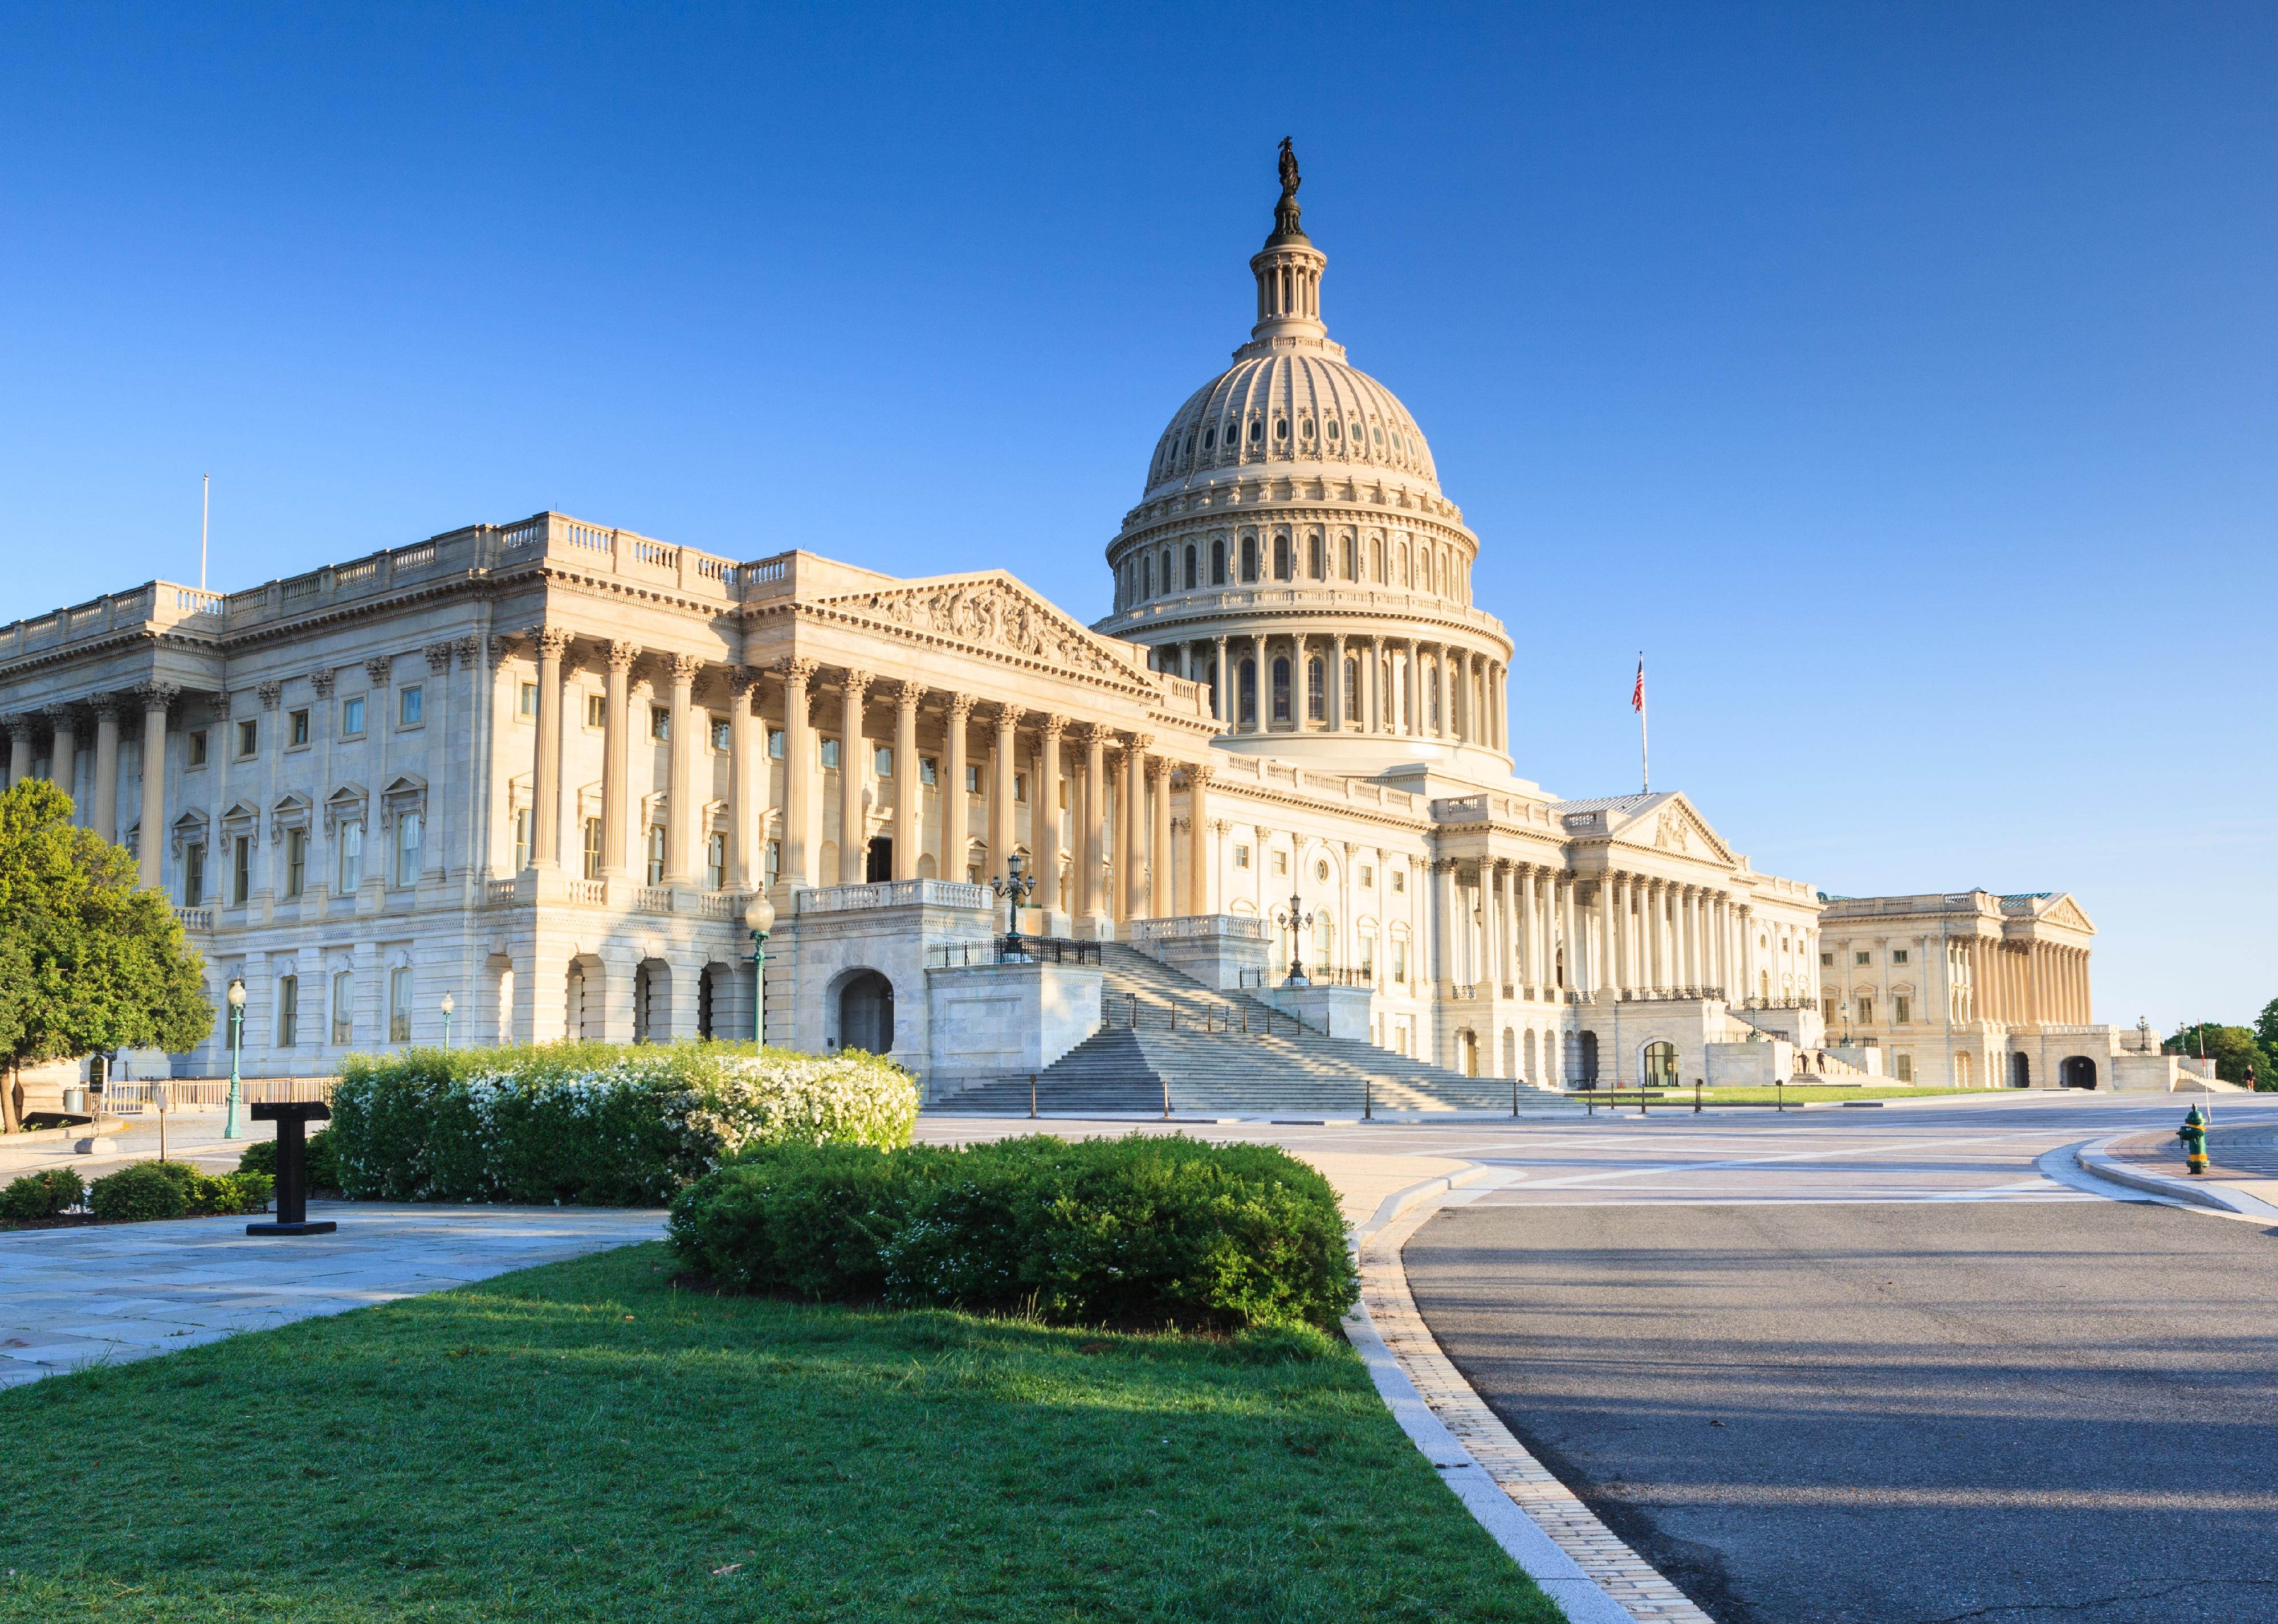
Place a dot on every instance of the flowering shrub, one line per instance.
(1143, 1230)
(595, 1124)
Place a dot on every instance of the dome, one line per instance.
(1299, 410)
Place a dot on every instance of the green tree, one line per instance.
(2232, 1049)
(88, 963)
(2266, 1027)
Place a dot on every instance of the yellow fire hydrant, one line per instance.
(2193, 1133)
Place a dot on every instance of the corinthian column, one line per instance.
(545, 775)
(1091, 847)
(150, 847)
(105, 820)
(682, 799)
(1134, 827)
(1044, 819)
(798, 776)
(909, 839)
(1198, 779)
(1004, 825)
(1161, 903)
(956, 811)
(616, 723)
(746, 832)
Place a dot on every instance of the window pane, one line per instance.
(411, 704)
(352, 716)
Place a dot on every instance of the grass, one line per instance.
(584, 1441)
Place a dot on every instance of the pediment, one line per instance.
(2064, 911)
(1668, 823)
(993, 613)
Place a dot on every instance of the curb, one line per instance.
(1539, 1523)
(2095, 1158)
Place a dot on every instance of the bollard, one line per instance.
(1696, 1096)
(1514, 1094)
(1367, 1097)
(293, 1118)
(1032, 1096)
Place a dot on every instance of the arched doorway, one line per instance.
(1467, 1044)
(581, 1016)
(1589, 1059)
(866, 1012)
(1659, 1069)
(653, 1002)
(1962, 1070)
(2077, 1071)
(2020, 1071)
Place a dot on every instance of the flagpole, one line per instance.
(1645, 760)
(205, 517)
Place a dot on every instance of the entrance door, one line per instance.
(866, 1013)
(880, 863)
(2021, 1072)
(2078, 1072)
(1659, 1065)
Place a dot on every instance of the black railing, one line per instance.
(1125, 1013)
(1671, 994)
(1034, 950)
(1779, 1003)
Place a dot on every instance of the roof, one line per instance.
(1607, 803)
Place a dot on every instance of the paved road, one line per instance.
(1880, 1371)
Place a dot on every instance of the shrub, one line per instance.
(1141, 1231)
(595, 1124)
(149, 1190)
(322, 1168)
(44, 1195)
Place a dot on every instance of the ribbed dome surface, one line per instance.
(1294, 409)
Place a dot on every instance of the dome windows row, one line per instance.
(1227, 439)
(1398, 561)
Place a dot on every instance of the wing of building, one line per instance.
(541, 767)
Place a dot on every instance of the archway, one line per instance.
(866, 1012)
(653, 1002)
(2077, 1071)
(1527, 1057)
(1962, 1070)
(1509, 1052)
(1590, 1058)
(2020, 1071)
(587, 989)
(1659, 1069)
(1467, 1046)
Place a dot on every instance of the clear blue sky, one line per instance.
(1899, 378)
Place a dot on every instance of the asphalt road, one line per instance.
(1844, 1408)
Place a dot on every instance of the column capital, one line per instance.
(1091, 734)
(684, 667)
(618, 654)
(855, 682)
(797, 671)
(960, 708)
(1138, 742)
(379, 670)
(438, 656)
(1052, 727)
(908, 696)
(271, 692)
(105, 706)
(1008, 717)
(157, 696)
(550, 640)
(741, 679)
(498, 649)
(1159, 769)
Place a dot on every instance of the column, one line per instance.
(1044, 819)
(1410, 689)
(617, 726)
(1601, 979)
(1499, 705)
(150, 846)
(956, 811)
(1003, 826)
(854, 780)
(105, 820)
(1443, 907)
(909, 834)
(1161, 902)
(1198, 844)
(1371, 718)
(1222, 687)
(1446, 678)
(1336, 681)
(1566, 901)
(746, 759)
(1092, 843)
(1262, 686)
(545, 775)
(1460, 714)
(1118, 843)
(63, 765)
(1529, 955)
(798, 867)
(1658, 965)
(19, 750)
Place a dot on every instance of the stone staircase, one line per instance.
(1165, 1029)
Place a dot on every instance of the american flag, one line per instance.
(1636, 694)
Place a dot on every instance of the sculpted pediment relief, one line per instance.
(1673, 826)
(2064, 911)
(990, 612)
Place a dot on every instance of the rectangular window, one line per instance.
(343, 1007)
(406, 847)
(1368, 953)
(194, 876)
(830, 753)
(526, 702)
(296, 861)
(1019, 786)
(399, 1005)
(1280, 862)
(1400, 962)
(288, 1011)
(928, 771)
(352, 717)
(775, 744)
(1905, 1067)
(774, 861)
(248, 738)
(715, 862)
(1826, 959)
(1827, 1011)
(882, 762)
(296, 727)
(525, 828)
(197, 747)
(1866, 1012)
(720, 733)
(1898, 956)
(351, 844)
(597, 711)
(1367, 878)
(656, 854)
(410, 705)
(973, 780)
(592, 860)
(1399, 879)
(1242, 856)
(660, 724)
(1903, 1011)
(1863, 958)
(241, 870)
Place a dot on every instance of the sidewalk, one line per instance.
(192, 1135)
(2241, 1161)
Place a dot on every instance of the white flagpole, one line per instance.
(1645, 761)
(205, 518)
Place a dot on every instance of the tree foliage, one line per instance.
(88, 963)
(2232, 1049)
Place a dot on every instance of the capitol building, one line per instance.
(543, 767)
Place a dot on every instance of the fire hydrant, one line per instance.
(2193, 1133)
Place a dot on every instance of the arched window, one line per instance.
(1249, 558)
(1258, 430)
(1334, 432)
(1168, 580)
(1376, 572)
(1281, 557)
(1431, 699)
(1352, 688)
(1190, 567)
(1314, 565)
(1147, 584)
(1306, 428)
(1527, 1057)
(1403, 566)
(1281, 690)
(1217, 563)
(1246, 696)
(1317, 699)
(1352, 563)
(1660, 1068)
(1282, 430)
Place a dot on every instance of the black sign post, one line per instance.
(291, 1119)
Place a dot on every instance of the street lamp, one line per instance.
(449, 1004)
(236, 1043)
(758, 918)
(1015, 888)
(1299, 922)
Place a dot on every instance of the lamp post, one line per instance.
(449, 1004)
(1299, 922)
(236, 1043)
(1015, 888)
(758, 918)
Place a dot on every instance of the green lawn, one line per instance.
(582, 1442)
